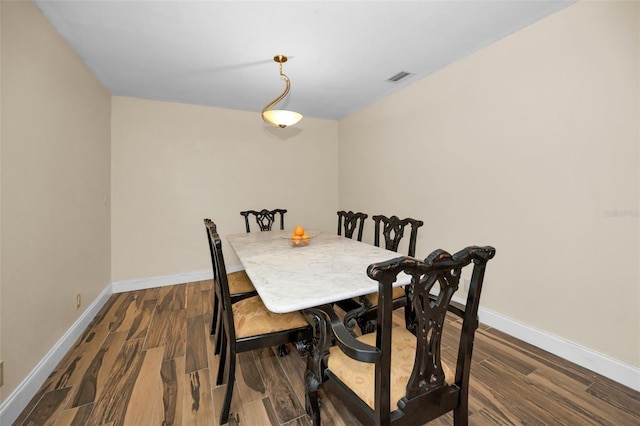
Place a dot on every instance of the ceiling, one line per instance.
(220, 53)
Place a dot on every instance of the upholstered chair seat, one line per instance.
(239, 282)
(360, 376)
(252, 318)
(398, 292)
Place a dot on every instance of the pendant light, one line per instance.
(279, 117)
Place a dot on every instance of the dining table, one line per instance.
(328, 269)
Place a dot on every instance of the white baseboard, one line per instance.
(150, 282)
(11, 407)
(187, 277)
(607, 366)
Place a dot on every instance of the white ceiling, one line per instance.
(220, 53)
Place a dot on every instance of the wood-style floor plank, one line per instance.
(237, 414)
(249, 381)
(47, 386)
(179, 297)
(176, 335)
(78, 416)
(173, 390)
(196, 349)
(256, 414)
(334, 412)
(140, 324)
(159, 325)
(198, 402)
(594, 409)
(502, 340)
(616, 396)
(48, 408)
(112, 404)
(84, 356)
(152, 293)
(286, 404)
(147, 358)
(207, 295)
(194, 299)
(113, 345)
(125, 312)
(108, 312)
(145, 405)
(86, 391)
(291, 366)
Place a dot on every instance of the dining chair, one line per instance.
(240, 286)
(247, 325)
(264, 218)
(397, 374)
(392, 229)
(349, 222)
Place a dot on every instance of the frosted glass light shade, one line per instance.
(281, 118)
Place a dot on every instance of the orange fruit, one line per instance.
(298, 230)
(305, 236)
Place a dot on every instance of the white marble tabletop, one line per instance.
(330, 268)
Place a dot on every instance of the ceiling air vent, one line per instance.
(398, 77)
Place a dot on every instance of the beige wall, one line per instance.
(530, 145)
(175, 164)
(55, 177)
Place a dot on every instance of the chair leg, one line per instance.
(460, 419)
(461, 413)
(223, 356)
(226, 405)
(367, 326)
(283, 350)
(311, 401)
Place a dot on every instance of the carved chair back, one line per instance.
(392, 228)
(349, 222)
(424, 389)
(211, 229)
(264, 218)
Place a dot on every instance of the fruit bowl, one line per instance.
(299, 237)
(299, 241)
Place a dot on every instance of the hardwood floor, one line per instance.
(147, 359)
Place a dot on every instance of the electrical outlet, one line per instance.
(78, 301)
(1, 373)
